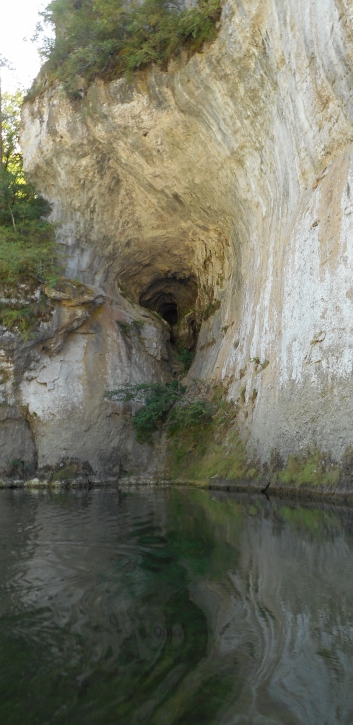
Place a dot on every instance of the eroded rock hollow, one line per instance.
(218, 193)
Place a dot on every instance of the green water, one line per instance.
(174, 607)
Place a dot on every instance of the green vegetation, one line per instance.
(198, 412)
(25, 319)
(185, 356)
(111, 38)
(157, 399)
(19, 469)
(204, 440)
(209, 447)
(202, 434)
(309, 470)
(68, 473)
(259, 365)
(27, 240)
(211, 309)
(126, 328)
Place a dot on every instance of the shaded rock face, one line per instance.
(54, 418)
(223, 185)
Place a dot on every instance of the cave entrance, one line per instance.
(168, 309)
(170, 314)
(172, 297)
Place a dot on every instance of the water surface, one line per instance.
(174, 607)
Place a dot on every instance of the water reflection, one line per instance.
(174, 607)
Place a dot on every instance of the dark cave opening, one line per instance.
(172, 297)
(169, 312)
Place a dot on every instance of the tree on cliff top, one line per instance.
(111, 38)
(27, 244)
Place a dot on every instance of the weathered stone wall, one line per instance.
(54, 416)
(233, 168)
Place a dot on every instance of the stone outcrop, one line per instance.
(221, 188)
(54, 417)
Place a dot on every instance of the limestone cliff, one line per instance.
(225, 185)
(53, 415)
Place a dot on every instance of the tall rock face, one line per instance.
(223, 186)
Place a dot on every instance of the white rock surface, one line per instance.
(235, 167)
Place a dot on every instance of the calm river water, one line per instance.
(174, 607)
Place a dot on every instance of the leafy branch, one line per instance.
(157, 399)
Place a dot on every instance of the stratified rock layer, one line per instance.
(233, 169)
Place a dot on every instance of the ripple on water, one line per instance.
(174, 607)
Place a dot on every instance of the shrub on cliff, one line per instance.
(111, 38)
(27, 240)
(157, 399)
(201, 427)
(163, 402)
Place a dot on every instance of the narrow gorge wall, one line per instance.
(224, 184)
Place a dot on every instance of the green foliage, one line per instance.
(68, 473)
(19, 204)
(259, 365)
(25, 319)
(19, 469)
(185, 356)
(11, 117)
(204, 441)
(111, 38)
(126, 328)
(209, 448)
(309, 470)
(27, 240)
(28, 249)
(211, 309)
(158, 399)
(20, 318)
(198, 412)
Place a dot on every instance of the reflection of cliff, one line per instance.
(282, 613)
(177, 608)
(221, 188)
